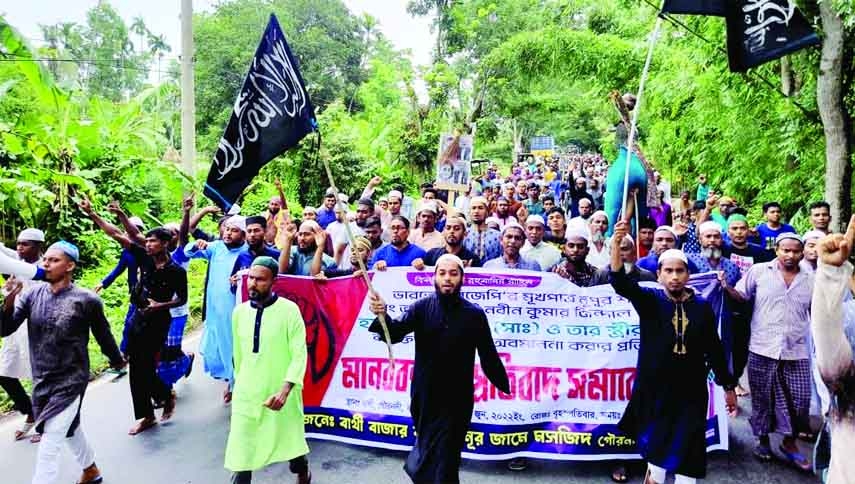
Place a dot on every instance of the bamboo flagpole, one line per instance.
(638, 97)
(351, 239)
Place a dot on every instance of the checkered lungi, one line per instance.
(780, 395)
(176, 331)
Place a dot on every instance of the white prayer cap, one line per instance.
(667, 228)
(237, 221)
(31, 235)
(576, 232)
(599, 212)
(429, 206)
(709, 226)
(673, 254)
(449, 258)
(395, 194)
(536, 219)
(136, 221)
(310, 209)
(629, 239)
(788, 235)
(477, 200)
(813, 234)
(342, 198)
(512, 225)
(309, 225)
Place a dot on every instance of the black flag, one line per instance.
(759, 31)
(717, 8)
(271, 114)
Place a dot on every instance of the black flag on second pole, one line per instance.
(760, 31)
(272, 113)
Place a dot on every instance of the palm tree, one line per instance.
(138, 27)
(157, 46)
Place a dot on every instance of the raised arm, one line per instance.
(133, 233)
(184, 229)
(622, 284)
(833, 352)
(116, 272)
(108, 228)
(285, 255)
(16, 309)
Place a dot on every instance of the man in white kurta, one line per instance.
(269, 365)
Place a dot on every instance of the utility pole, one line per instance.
(188, 96)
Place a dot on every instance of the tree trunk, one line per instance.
(835, 118)
(787, 81)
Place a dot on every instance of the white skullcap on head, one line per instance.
(535, 219)
(136, 221)
(512, 225)
(577, 232)
(449, 258)
(395, 194)
(787, 236)
(667, 228)
(310, 209)
(673, 254)
(813, 234)
(599, 212)
(237, 221)
(709, 226)
(629, 239)
(429, 206)
(31, 235)
(480, 200)
(493, 220)
(310, 225)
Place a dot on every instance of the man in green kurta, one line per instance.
(269, 362)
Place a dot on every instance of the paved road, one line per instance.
(190, 450)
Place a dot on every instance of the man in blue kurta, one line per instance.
(221, 255)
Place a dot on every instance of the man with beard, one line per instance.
(509, 192)
(308, 257)
(425, 235)
(820, 216)
(599, 245)
(255, 247)
(481, 240)
(535, 248)
(711, 258)
(374, 231)
(276, 216)
(556, 224)
(687, 228)
(59, 317)
(513, 237)
(399, 252)
(741, 252)
(667, 411)
(270, 363)
(503, 212)
(664, 238)
(162, 286)
(216, 346)
(779, 349)
(833, 330)
(585, 209)
(574, 266)
(395, 199)
(811, 258)
(454, 233)
(365, 224)
(448, 331)
(14, 353)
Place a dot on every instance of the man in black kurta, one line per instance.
(59, 317)
(666, 414)
(448, 329)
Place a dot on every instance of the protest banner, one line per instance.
(570, 354)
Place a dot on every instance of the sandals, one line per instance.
(796, 459)
(763, 453)
(142, 425)
(21, 433)
(619, 474)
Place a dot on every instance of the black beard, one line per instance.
(446, 298)
(234, 245)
